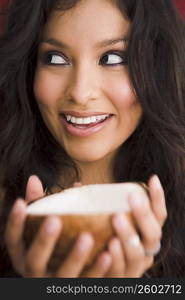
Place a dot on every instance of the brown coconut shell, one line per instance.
(99, 225)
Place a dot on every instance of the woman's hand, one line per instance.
(133, 249)
(129, 254)
(33, 262)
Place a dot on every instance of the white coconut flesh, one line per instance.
(88, 199)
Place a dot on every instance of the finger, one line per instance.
(42, 247)
(14, 234)
(34, 189)
(132, 247)
(74, 263)
(117, 268)
(146, 221)
(101, 266)
(77, 184)
(157, 199)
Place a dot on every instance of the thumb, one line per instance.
(34, 189)
(77, 184)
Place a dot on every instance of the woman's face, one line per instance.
(82, 77)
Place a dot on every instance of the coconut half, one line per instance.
(87, 208)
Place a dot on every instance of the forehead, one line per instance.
(89, 19)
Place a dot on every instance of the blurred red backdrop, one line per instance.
(181, 6)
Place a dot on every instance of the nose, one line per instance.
(83, 85)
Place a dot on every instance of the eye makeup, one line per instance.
(109, 58)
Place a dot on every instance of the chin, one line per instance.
(87, 156)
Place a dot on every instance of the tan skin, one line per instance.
(79, 92)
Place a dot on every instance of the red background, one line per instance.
(181, 6)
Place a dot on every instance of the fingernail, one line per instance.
(85, 242)
(33, 177)
(135, 201)
(104, 261)
(134, 241)
(120, 220)
(157, 182)
(18, 206)
(52, 225)
(77, 184)
(115, 243)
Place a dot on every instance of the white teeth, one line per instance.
(68, 117)
(87, 120)
(102, 117)
(93, 119)
(79, 121)
(73, 120)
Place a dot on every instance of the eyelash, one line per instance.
(45, 57)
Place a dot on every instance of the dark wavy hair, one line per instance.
(156, 66)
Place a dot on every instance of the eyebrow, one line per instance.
(101, 44)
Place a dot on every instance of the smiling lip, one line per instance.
(84, 130)
(83, 114)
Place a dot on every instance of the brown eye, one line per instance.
(113, 59)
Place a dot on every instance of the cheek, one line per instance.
(47, 91)
(122, 94)
(124, 100)
(47, 88)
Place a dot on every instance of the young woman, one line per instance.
(93, 91)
